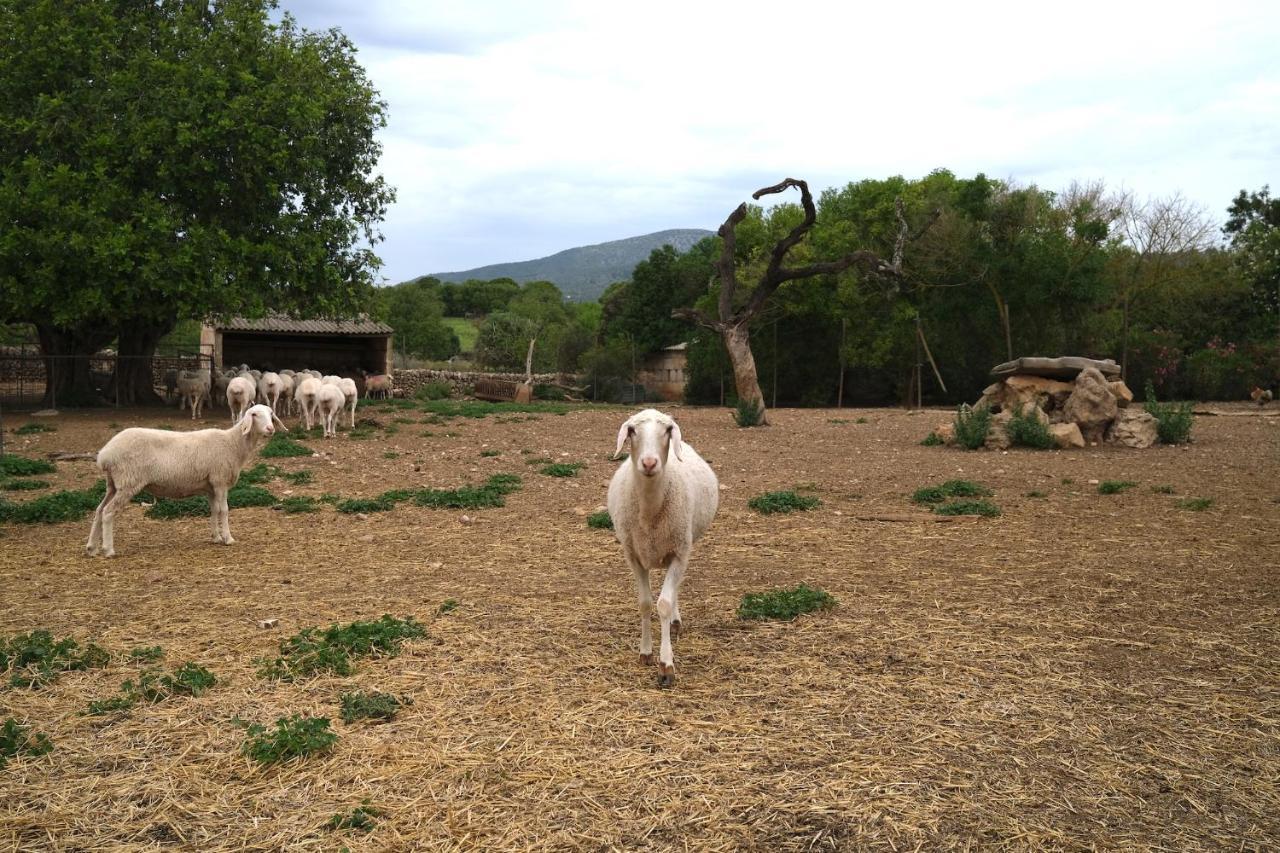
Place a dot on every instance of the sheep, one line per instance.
(378, 384)
(330, 401)
(286, 391)
(193, 387)
(220, 383)
(305, 395)
(269, 389)
(240, 396)
(177, 465)
(661, 500)
(352, 393)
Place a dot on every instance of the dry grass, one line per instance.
(1080, 672)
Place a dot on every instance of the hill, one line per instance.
(583, 273)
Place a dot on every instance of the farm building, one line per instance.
(275, 342)
(662, 373)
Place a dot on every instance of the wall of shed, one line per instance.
(663, 373)
(342, 355)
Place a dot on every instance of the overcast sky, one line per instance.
(518, 129)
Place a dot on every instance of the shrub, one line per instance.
(36, 658)
(1115, 487)
(1027, 430)
(967, 507)
(65, 505)
(972, 426)
(932, 440)
(784, 604)
(1195, 504)
(371, 706)
(600, 521)
(748, 413)
(563, 469)
(281, 445)
(20, 466)
(1173, 420)
(433, 391)
(17, 739)
(950, 489)
(313, 651)
(34, 427)
(782, 502)
(293, 737)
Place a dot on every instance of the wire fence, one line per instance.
(30, 380)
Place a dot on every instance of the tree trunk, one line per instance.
(134, 384)
(737, 343)
(66, 353)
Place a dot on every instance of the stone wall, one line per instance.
(463, 383)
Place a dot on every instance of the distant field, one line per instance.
(466, 331)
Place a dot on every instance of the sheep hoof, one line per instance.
(227, 540)
(90, 551)
(110, 553)
(667, 678)
(646, 659)
(675, 628)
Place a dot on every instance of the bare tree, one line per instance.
(733, 326)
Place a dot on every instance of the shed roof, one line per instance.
(281, 323)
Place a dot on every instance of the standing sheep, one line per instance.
(352, 394)
(177, 465)
(305, 396)
(240, 394)
(330, 401)
(661, 500)
(193, 389)
(379, 385)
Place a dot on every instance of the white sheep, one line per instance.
(193, 389)
(177, 465)
(269, 389)
(305, 396)
(287, 385)
(330, 401)
(240, 395)
(352, 394)
(661, 500)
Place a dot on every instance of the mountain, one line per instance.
(583, 273)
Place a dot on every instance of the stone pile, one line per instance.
(1089, 411)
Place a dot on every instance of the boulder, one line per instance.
(1121, 391)
(1134, 428)
(1063, 367)
(1048, 394)
(1091, 405)
(997, 435)
(946, 432)
(1066, 435)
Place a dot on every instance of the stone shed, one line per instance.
(662, 373)
(275, 342)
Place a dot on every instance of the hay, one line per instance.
(1081, 672)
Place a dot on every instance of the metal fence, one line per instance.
(29, 380)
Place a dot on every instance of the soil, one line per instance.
(1084, 670)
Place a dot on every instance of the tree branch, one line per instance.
(725, 267)
(699, 317)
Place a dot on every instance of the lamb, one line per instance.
(240, 396)
(661, 500)
(177, 465)
(352, 394)
(269, 389)
(379, 384)
(305, 396)
(193, 388)
(330, 401)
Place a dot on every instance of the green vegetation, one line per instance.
(154, 686)
(563, 469)
(1162, 490)
(35, 659)
(1173, 420)
(1115, 487)
(932, 440)
(34, 427)
(967, 507)
(361, 819)
(354, 505)
(17, 739)
(491, 494)
(65, 505)
(600, 521)
(280, 445)
(298, 478)
(972, 426)
(239, 496)
(149, 654)
(782, 502)
(1195, 504)
(950, 489)
(1027, 430)
(313, 651)
(482, 408)
(259, 474)
(490, 453)
(748, 413)
(538, 460)
(23, 485)
(784, 604)
(371, 706)
(435, 390)
(295, 504)
(1035, 493)
(20, 466)
(448, 606)
(295, 736)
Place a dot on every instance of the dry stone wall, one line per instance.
(463, 383)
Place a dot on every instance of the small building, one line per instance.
(275, 342)
(662, 373)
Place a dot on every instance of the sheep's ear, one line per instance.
(279, 423)
(622, 437)
(676, 440)
(246, 423)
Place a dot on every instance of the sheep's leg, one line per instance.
(94, 545)
(354, 400)
(218, 508)
(110, 507)
(645, 595)
(668, 607)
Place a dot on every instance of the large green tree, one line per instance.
(1253, 226)
(415, 310)
(162, 159)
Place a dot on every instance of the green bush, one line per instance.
(950, 489)
(20, 466)
(972, 426)
(354, 505)
(34, 427)
(371, 706)
(433, 391)
(1027, 430)
(748, 413)
(1173, 420)
(17, 739)
(600, 521)
(967, 507)
(1195, 504)
(65, 505)
(36, 658)
(1115, 487)
(295, 504)
(784, 604)
(932, 440)
(782, 502)
(293, 737)
(281, 445)
(312, 651)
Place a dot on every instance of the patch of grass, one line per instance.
(837, 421)
(354, 505)
(21, 466)
(482, 408)
(1067, 481)
(33, 428)
(1115, 487)
(391, 454)
(282, 446)
(64, 505)
(563, 469)
(782, 502)
(403, 420)
(149, 654)
(433, 391)
(968, 507)
(932, 440)
(448, 606)
(391, 429)
(361, 432)
(238, 497)
(23, 485)
(295, 504)
(313, 651)
(17, 739)
(600, 521)
(1173, 420)
(371, 706)
(861, 421)
(259, 474)
(748, 414)
(292, 737)
(1037, 494)
(1027, 430)
(491, 494)
(115, 704)
(300, 434)
(1162, 490)
(972, 426)
(361, 819)
(490, 453)
(298, 478)
(784, 604)
(1195, 504)
(538, 460)
(329, 498)
(950, 489)
(36, 658)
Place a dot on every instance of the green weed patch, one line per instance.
(292, 737)
(784, 604)
(771, 503)
(313, 651)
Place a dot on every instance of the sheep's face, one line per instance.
(262, 420)
(652, 434)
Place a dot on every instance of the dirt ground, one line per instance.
(1085, 671)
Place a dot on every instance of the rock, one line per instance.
(1134, 428)
(362, 516)
(1063, 367)
(1047, 394)
(1066, 435)
(946, 432)
(997, 435)
(1091, 405)
(466, 519)
(264, 624)
(1122, 393)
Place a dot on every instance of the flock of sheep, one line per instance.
(662, 498)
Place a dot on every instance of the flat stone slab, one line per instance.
(1063, 367)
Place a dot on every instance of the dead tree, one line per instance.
(733, 325)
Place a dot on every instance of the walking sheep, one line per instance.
(193, 388)
(305, 396)
(330, 401)
(240, 394)
(177, 465)
(661, 500)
